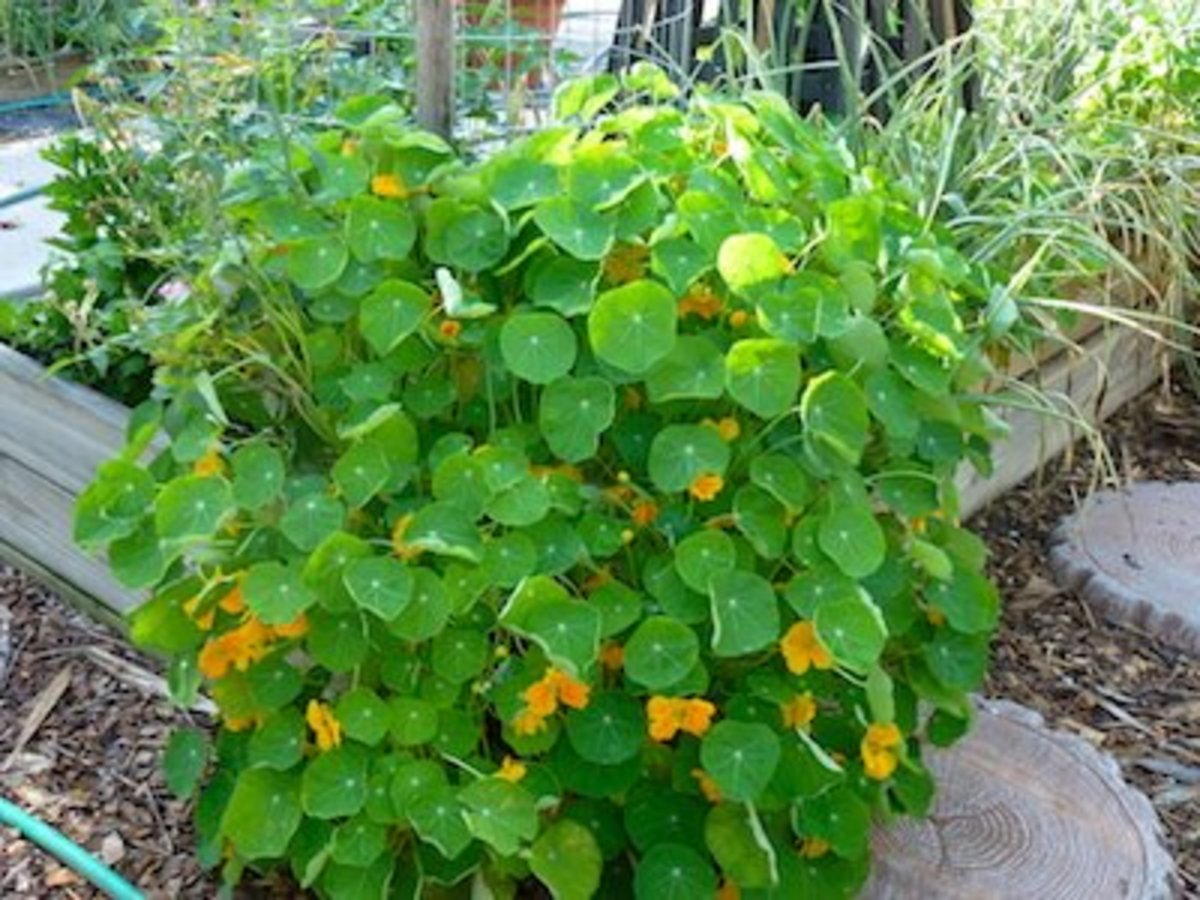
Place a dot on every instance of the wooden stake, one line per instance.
(435, 66)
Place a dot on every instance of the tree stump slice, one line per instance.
(1134, 554)
(1024, 813)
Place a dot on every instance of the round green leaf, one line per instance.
(693, 370)
(673, 872)
(852, 629)
(783, 478)
(763, 375)
(462, 236)
(517, 181)
(391, 313)
(609, 730)
(363, 715)
(745, 613)
(444, 529)
(681, 453)
(460, 479)
(315, 263)
(538, 347)
(279, 742)
(850, 535)
(969, 601)
(258, 475)
(564, 284)
(428, 610)
(575, 228)
(184, 760)
(334, 784)
(376, 229)
(803, 308)
(762, 519)
(661, 653)
(192, 507)
(438, 818)
(751, 261)
(742, 856)
(380, 585)
(633, 327)
(501, 814)
(834, 413)
(574, 412)
(311, 519)
(361, 472)
(701, 555)
(741, 758)
(263, 813)
(413, 721)
(510, 558)
(459, 654)
(276, 593)
(567, 860)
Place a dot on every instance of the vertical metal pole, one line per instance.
(435, 65)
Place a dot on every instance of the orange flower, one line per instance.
(697, 717)
(728, 428)
(644, 513)
(215, 660)
(706, 487)
(802, 649)
(799, 711)
(242, 723)
(814, 847)
(729, 891)
(879, 749)
(297, 628)
(670, 715)
(528, 723)
(387, 185)
(700, 301)
(541, 698)
(612, 656)
(233, 602)
(326, 729)
(449, 329)
(626, 263)
(708, 787)
(512, 770)
(571, 692)
(210, 463)
(738, 318)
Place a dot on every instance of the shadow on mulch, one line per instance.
(1122, 690)
(91, 767)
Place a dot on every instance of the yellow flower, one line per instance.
(571, 692)
(239, 648)
(738, 318)
(880, 750)
(215, 660)
(541, 698)
(729, 429)
(708, 787)
(706, 487)
(512, 770)
(670, 715)
(697, 717)
(209, 464)
(388, 185)
(326, 729)
(802, 649)
(799, 711)
(233, 602)
(242, 723)
(528, 723)
(814, 847)
(644, 513)
(449, 329)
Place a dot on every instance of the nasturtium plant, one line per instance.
(584, 516)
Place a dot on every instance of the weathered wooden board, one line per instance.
(53, 435)
(1114, 366)
(1024, 812)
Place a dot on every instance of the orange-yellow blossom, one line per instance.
(729, 891)
(729, 428)
(670, 715)
(644, 513)
(543, 697)
(390, 186)
(511, 770)
(707, 786)
(700, 301)
(239, 648)
(210, 463)
(327, 730)
(297, 628)
(738, 318)
(802, 649)
(799, 711)
(880, 750)
(449, 329)
(626, 263)
(705, 487)
(233, 602)
(814, 847)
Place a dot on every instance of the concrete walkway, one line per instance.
(24, 227)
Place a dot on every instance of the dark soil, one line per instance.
(90, 767)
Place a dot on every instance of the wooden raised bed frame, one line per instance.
(53, 435)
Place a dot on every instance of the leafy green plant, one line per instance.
(585, 515)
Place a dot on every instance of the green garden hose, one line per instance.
(55, 842)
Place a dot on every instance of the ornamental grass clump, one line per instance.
(583, 516)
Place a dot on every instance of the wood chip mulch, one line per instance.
(1125, 692)
(91, 765)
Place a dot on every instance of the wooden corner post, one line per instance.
(435, 65)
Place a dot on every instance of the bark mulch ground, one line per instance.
(91, 769)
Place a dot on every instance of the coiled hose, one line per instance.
(67, 851)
